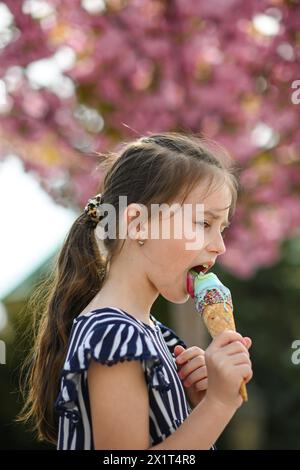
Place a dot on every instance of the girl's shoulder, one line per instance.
(108, 336)
(100, 318)
(112, 315)
(103, 314)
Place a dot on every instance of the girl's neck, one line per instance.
(122, 295)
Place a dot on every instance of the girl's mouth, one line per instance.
(201, 268)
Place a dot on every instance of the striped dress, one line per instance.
(110, 335)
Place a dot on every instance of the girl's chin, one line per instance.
(178, 300)
(178, 297)
(177, 294)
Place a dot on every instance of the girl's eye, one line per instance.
(206, 224)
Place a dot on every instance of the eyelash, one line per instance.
(208, 225)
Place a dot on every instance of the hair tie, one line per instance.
(92, 208)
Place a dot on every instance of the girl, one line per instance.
(105, 373)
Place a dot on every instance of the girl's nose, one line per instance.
(217, 245)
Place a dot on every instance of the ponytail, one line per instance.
(76, 278)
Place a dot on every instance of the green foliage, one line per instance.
(267, 310)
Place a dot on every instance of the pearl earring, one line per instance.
(141, 242)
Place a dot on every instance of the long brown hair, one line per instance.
(152, 169)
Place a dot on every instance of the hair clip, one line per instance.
(91, 208)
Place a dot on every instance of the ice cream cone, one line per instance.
(213, 301)
(216, 320)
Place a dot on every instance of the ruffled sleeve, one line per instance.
(107, 342)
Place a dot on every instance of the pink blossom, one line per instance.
(156, 66)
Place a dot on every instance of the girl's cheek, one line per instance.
(194, 244)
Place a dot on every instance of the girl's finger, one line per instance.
(191, 365)
(195, 376)
(234, 348)
(240, 358)
(189, 353)
(202, 385)
(247, 342)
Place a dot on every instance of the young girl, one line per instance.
(105, 373)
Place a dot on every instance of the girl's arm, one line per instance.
(120, 412)
(119, 405)
(201, 428)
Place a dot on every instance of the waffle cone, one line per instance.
(216, 320)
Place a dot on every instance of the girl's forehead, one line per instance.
(218, 197)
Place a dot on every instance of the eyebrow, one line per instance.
(215, 216)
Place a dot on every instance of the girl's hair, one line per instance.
(152, 169)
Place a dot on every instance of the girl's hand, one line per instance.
(228, 364)
(192, 371)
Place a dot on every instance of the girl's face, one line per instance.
(167, 261)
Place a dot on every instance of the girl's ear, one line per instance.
(135, 221)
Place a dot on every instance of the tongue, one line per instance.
(190, 284)
(190, 278)
(198, 268)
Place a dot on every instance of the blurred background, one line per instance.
(81, 76)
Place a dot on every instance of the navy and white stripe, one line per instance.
(110, 335)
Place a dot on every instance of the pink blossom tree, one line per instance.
(117, 69)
